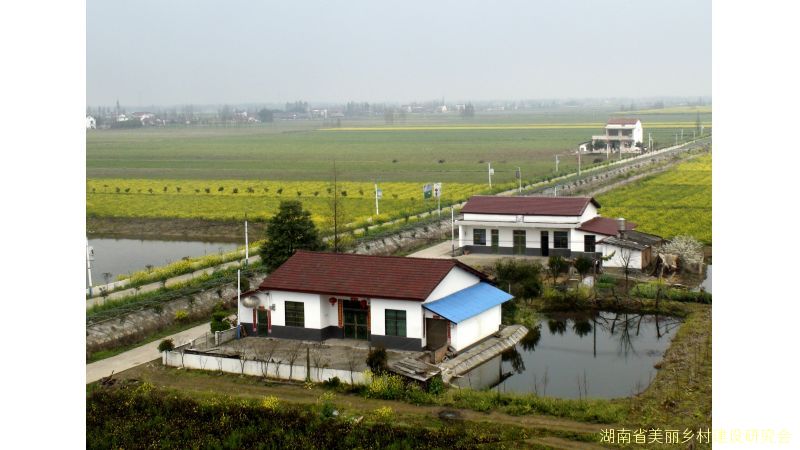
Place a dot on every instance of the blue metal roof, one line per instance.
(460, 306)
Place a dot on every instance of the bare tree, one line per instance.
(294, 353)
(352, 363)
(625, 257)
(317, 358)
(336, 218)
(241, 351)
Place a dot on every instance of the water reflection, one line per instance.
(599, 354)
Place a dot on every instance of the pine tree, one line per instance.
(289, 230)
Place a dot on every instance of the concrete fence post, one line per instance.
(216, 338)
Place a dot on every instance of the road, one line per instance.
(139, 355)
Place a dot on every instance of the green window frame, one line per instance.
(560, 239)
(295, 314)
(479, 236)
(395, 322)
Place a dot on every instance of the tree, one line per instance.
(583, 265)
(290, 229)
(556, 265)
(265, 115)
(337, 217)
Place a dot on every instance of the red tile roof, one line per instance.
(604, 225)
(390, 277)
(530, 206)
(621, 121)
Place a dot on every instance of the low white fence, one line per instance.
(188, 359)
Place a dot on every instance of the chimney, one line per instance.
(621, 227)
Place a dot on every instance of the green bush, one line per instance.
(377, 359)
(166, 345)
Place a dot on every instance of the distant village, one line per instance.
(105, 117)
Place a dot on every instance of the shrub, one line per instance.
(334, 383)
(271, 403)
(387, 386)
(436, 385)
(219, 321)
(376, 359)
(166, 345)
(181, 315)
(327, 408)
(384, 414)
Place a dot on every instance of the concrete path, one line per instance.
(441, 250)
(139, 355)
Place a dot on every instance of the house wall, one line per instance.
(456, 280)
(475, 328)
(617, 260)
(413, 340)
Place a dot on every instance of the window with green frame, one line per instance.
(395, 322)
(295, 314)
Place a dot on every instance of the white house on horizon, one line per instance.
(399, 302)
(621, 135)
(545, 226)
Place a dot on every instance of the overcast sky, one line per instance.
(174, 52)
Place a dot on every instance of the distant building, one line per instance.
(91, 124)
(622, 135)
(557, 226)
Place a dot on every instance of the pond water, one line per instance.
(122, 256)
(584, 355)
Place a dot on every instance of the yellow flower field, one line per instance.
(232, 199)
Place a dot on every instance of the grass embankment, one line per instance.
(140, 416)
(675, 202)
(155, 299)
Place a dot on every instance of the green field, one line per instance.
(420, 149)
(231, 199)
(668, 204)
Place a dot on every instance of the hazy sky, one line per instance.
(207, 52)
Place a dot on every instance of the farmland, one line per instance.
(668, 204)
(425, 148)
(222, 173)
(231, 199)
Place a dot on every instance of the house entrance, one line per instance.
(545, 243)
(355, 320)
(262, 320)
(436, 332)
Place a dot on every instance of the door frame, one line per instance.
(544, 243)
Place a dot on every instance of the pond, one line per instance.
(122, 256)
(580, 355)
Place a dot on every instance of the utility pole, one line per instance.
(519, 177)
(377, 211)
(650, 142)
(579, 163)
(89, 258)
(676, 138)
(452, 231)
(246, 242)
(490, 175)
(556, 164)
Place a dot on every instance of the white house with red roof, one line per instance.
(401, 303)
(545, 226)
(621, 135)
